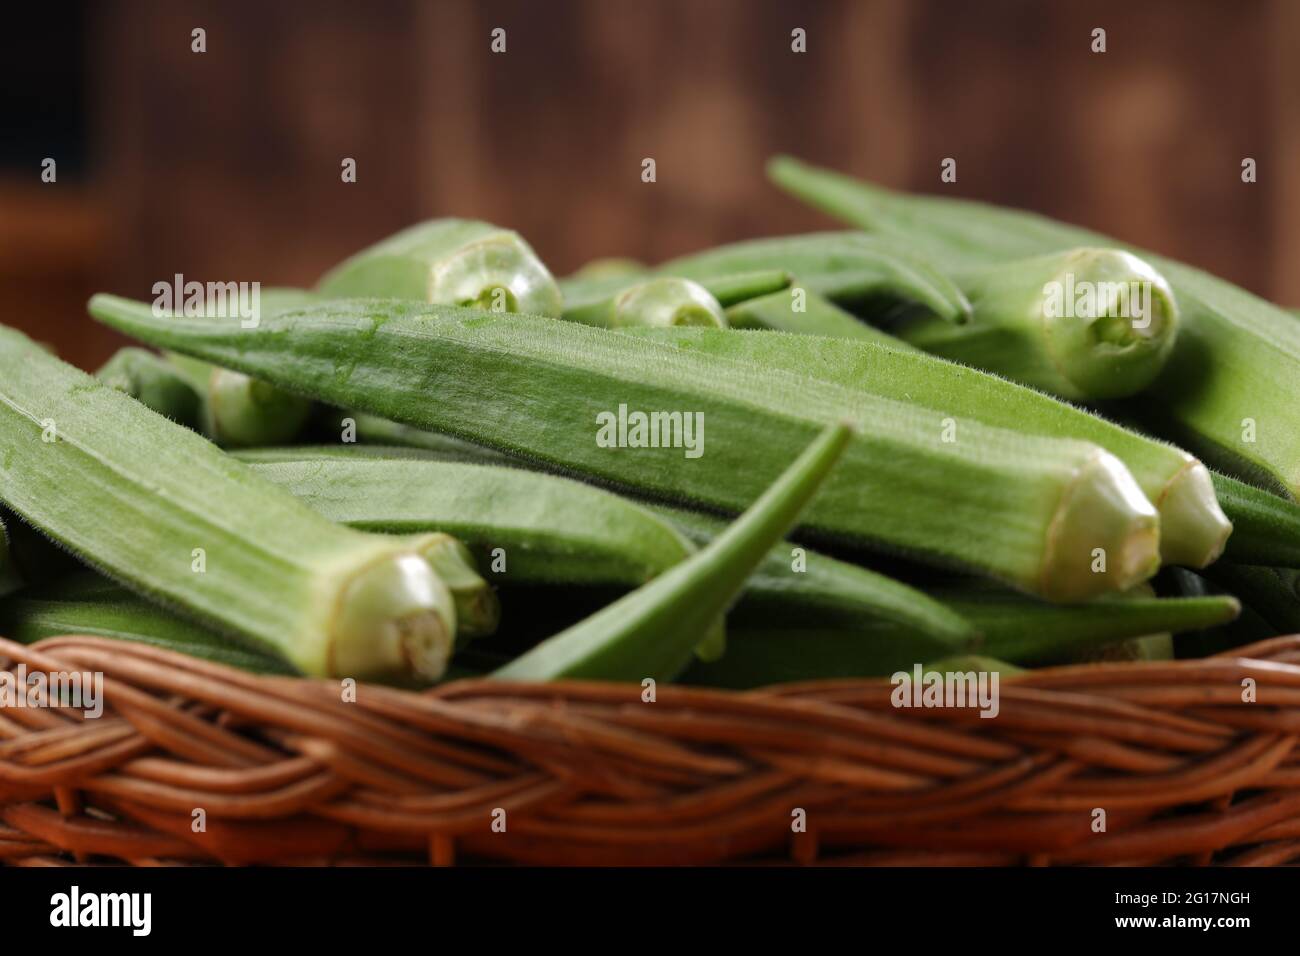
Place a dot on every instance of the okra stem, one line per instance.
(1082, 324)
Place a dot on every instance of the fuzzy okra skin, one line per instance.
(1266, 527)
(1081, 324)
(156, 382)
(552, 530)
(1193, 526)
(651, 632)
(237, 411)
(798, 310)
(1030, 510)
(452, 262)
(1227, 391)
(163, 510)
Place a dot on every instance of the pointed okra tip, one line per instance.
(395, 620)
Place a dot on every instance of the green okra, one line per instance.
(609, 267)
(1265, 526)
(1083, 324)
(797, 310)
(451, 262)
(529, 528)
(1030, 632)
(161, 509)
(1225, 388)
(353, 429)
(593, 301)
(805, 588)
(1272, 593)
(89, 605)
(154, 381)
(666, 302)
(1011, 627)
(521, 526)
(1028, 509)
(652, 632)
(237, 411)
(844, 267)
(1193, 526)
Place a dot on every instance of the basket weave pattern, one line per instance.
(285, 770)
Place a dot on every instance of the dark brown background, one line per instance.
(225, 165)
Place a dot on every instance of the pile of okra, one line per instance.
(946, 435)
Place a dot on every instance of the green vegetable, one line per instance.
(1266, 527)
(151, 379)
(359, 430)
(651, 632)
(1030, 510)
(163, 510)
(240, 412)
(451, 262)
(1013, 628)
(845, 267)
(595, 301)
(91, 606)
(548, 529)
(1224, 391)
(477, 610)
(797, 310)
(551, 530)
(1082, 324)
(609, 267)
(1193, 527)
(666, 302)
(1272, 593)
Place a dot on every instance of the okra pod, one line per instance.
(1265, 526)
(652, 632)
(89, 605)
(1223, 391)
(159, 508)
(1012, 628)
(154, 381)
(1059, 518)
(666, 302)
(1272, 593)
(237, 411)
(594, 301)
(451, 262)
(1193, 526)
(529, 528)
(797, 310)
(1082, 324)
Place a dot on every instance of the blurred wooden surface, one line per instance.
(225, 165)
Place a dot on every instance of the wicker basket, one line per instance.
(285, 771)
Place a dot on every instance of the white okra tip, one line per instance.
(1105, 535)
(394, 618)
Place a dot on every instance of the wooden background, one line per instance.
(225, 165)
